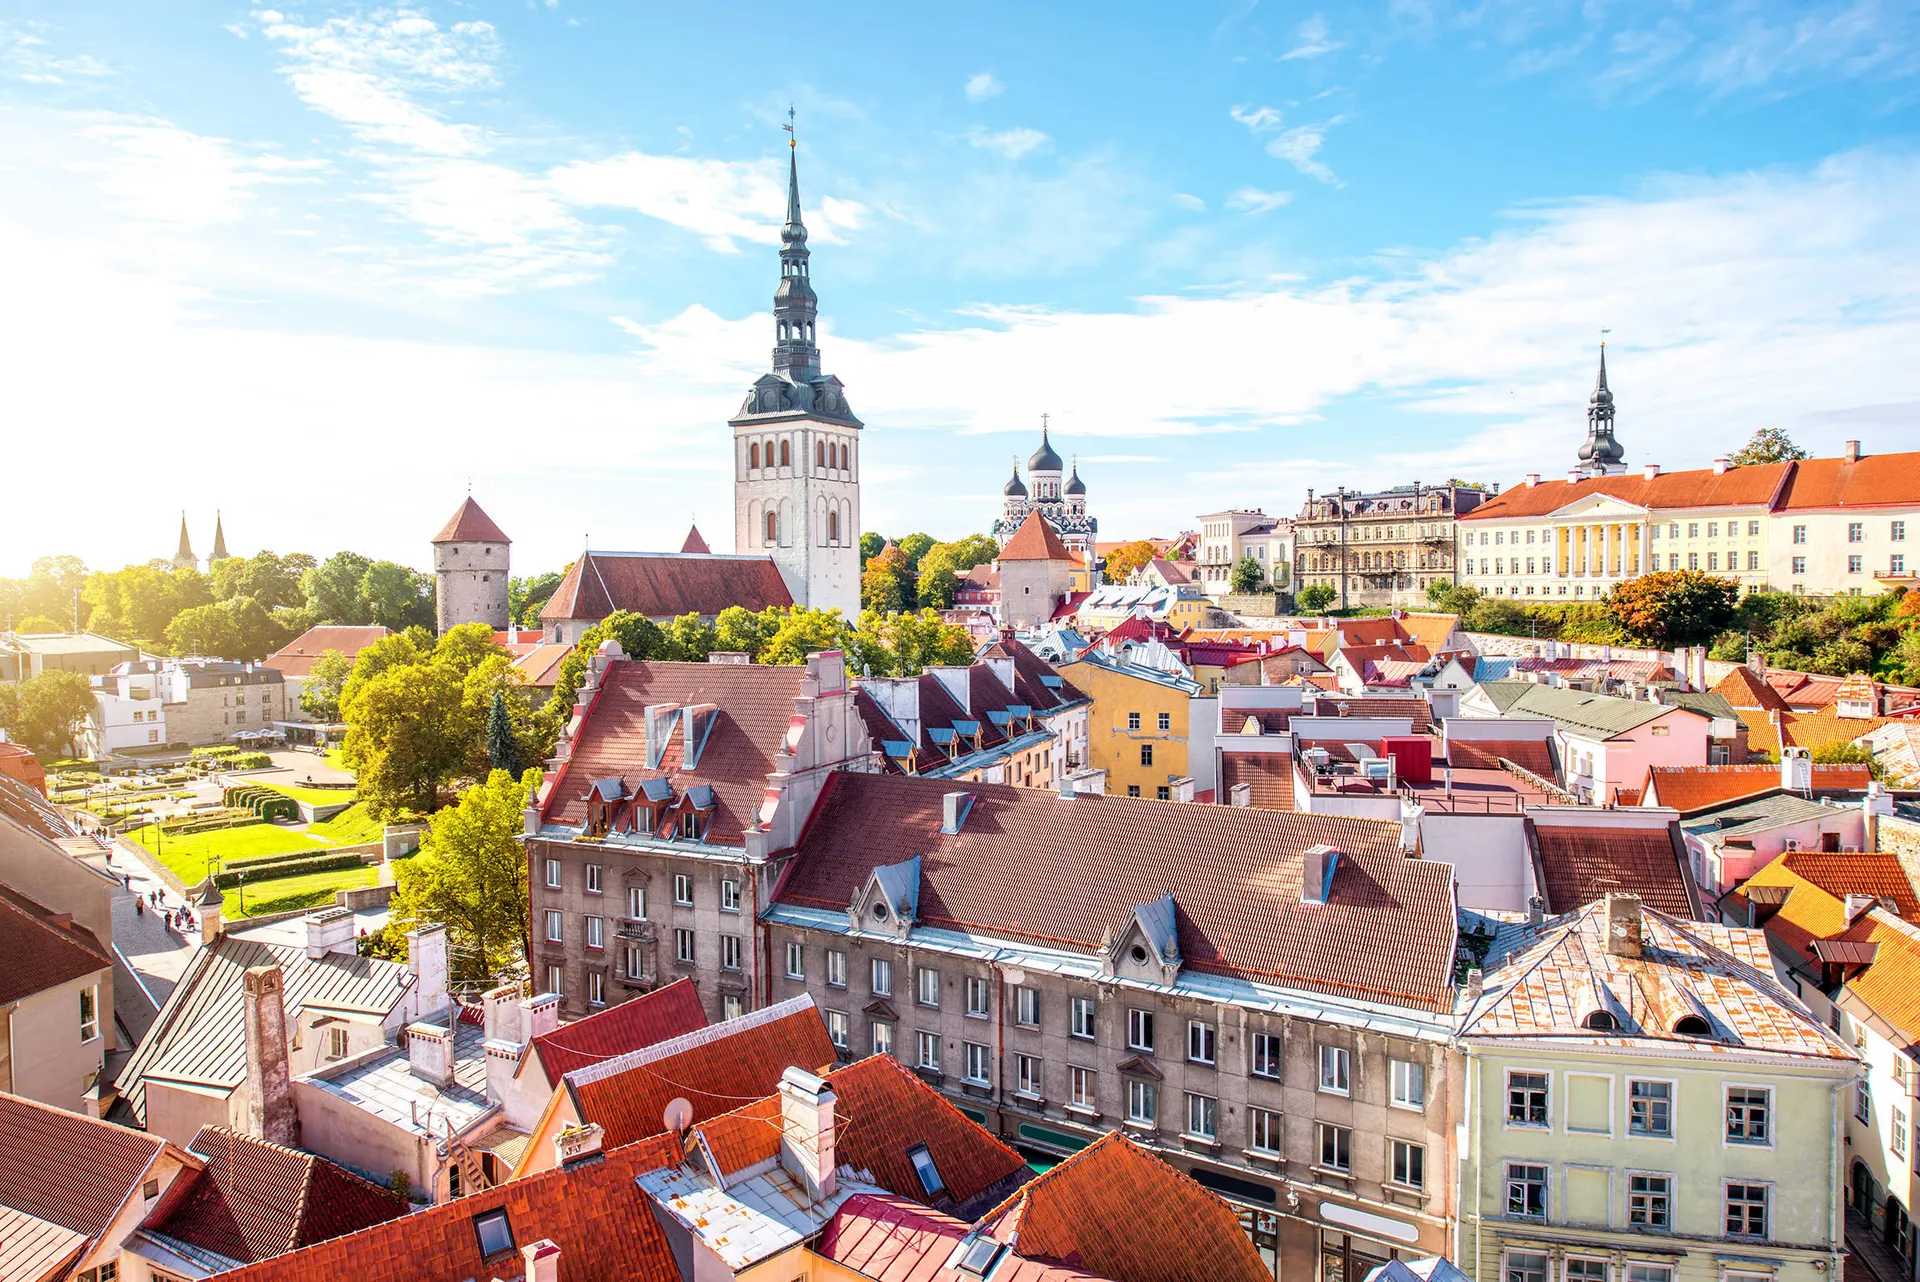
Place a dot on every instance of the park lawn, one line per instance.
(336, 760)
(284, 894)
(187, 856)
(312, 796)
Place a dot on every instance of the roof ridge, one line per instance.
(688, 1041)
(79, 936)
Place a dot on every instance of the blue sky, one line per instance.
(319, 266)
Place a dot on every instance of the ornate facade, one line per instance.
(1382, 548)
(1062, 503)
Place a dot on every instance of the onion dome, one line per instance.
(1075, 486)
(1015, 488)
(1044, 459)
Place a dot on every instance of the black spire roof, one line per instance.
(1600, 450)
(1044, 459)
(794, 306)
(1015, 488)
(1075, 485)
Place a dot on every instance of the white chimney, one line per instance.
(330, 930)
(501, 1008)
(1651, 470)
(1852, 452)
(1316, 873)
(543, 1260)
(1796, 769)
(1625, 925)
(953, 811)
(539, 1015)
(1181, 789)
(430, 1052)
(1411, 813)
(427, 959)
(807, 1130)
(1574, 476)
(1533, 479)
(730, 657)
(1241, 794)
(1001, 665)
(954, 678)
(1721, 465)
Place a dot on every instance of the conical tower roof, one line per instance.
(219, 539)
(693, 541)
(470, 525)
(183, 555)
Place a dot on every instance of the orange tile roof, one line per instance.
(1809, 911)
(44, 949)
(593, 1211)
(1690, 789)
(1485, 754)
(469, 524)
(1429, 630)
(1744, 689)
(1702, 487)
(1117, 1210)
(18, 763)
(747, 1135)
(1035, 541)
(891, 1239)
(67, 1169)
(541, 664)
(887, 1108)
(1872, 872)
(1876, 480)
(1891, 984)
(646, 1020)
(1803, 729)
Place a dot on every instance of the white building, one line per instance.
(1228, 536)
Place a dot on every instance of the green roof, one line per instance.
(1598, 715)
(1505, 693)
(1755, 814)
(1705, 702)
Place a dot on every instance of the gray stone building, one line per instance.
(650, 847)
(470, 570)
(1262, 998)
(1381, 548)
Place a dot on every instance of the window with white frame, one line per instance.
(553, 874)
(883, 1038)
(1026, 1007)
(1526, 1099)
(683, 889)
(1199, 1041)
(554, 922)
(596, 932)
(1409, 1084)
(1143, 1102)
(730, 952)
(1526, 1191)
(1526, 1266)
(1336, 1148)
(1203, 1116)
(1140, 1030)
(1863, 1100)
(1649, 1200)
(979, 1063)
(1335, 1070)
(880, 977)
(837, 1029)
(1083, 1025)
(683, 946)
(796, 959)
(927, 992)
(593, 879)
(1266, 1130)
(1651, 1273)
(636, 903)
(1081, 1087)
(729, 895)
(1747, 1210)
(89, 1013)
(1028, 1075)
(1650, 1109)
(929, 1052)
(1585, 1268)
(636, 961)
(836, 968)
(556, 978)
(1266, 1055)
(1897, 1131)
(337, 1042)
(596, 988)
(1409, 1163)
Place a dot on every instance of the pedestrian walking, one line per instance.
(139, 908)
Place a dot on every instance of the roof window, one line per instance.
(1692, 1026)
(494, 1232)
(1601, 1021)
(977, 1255)
(929, 1173)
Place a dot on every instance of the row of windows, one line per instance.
(683, 889)
(1856, 532)
(1747, 1118)
(1531, 1266)
(826, 454)
(1650, 1197)
(1579, 565)
(1165, 721)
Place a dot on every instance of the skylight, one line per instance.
(929, 1173)
(495, 1233)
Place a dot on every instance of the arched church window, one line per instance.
(846, 462)
(780, 331)
(819, 453)
(773, 527)
(833, 526)
(768, 454)
(753, 455)
(786, 455)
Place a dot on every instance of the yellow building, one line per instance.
(1140, 724)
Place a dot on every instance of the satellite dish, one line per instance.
(678, 1117)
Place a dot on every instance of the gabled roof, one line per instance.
(891, 1239)
(27, 807)
(755, 705)
(43, 949)
(254, 1200)
(1890, 985)
(893, 1110)
(1755, 486)
(1597, 715)
(1743, 688)
(593, 1211)
(693, 542)
(713, 1069)
(469, 524)
(1035, 541)
(663, 585)
(1581, 861)
(1691, 789)
(67, 1169)
(541, 664)
(297, 657)
(1120, 1212)
(1386, 935)
(646, 1020)
(1871, 481)
(1767, 732)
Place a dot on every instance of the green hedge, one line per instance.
(264, 871)
(266, 803)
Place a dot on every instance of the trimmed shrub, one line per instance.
(266, 871)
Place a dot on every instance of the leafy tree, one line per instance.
(1316, 597)
(269, 579)
(1128, 557)
(884, 585)
(409, 732)
(1674, 607)
(471, 876)
(320, 694)
(1769, 445)
(527, 597)
(688, 639)
(466, 647)
(332, 590)
(802, 632)
(47, 590)
(914, 547)
(639, 638)
(939, 568)
(397, 598)
(45, 712)
(138, 602)
(503, 750)
(256, 635)
(1247, 575)
(1848, 754)
(739, 630)
(204, 630)
(903, 645)
(39, 624)
(1452, 598)
(396, 651)
(1492, 614)
(870, 545)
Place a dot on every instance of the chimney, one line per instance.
(953, 811)
(1181, 789)
(954, 678)
(539, 1015)
(503, 1062)
(1624, 925)
(1411, 813)
(1575, 476)
(427, 959)
(1852, 452)
(1533, 479)
(1536, 910)
(430, 1052)
(576, 1144)
(1476, 984)
(501, 1007)
(1066, 784)
(1001, 665)
(207, 901)
(1316, 873)
(807, 1130)
(543, 1260)
(1721, 465)
(330, 930)
(1241, 794)
(1650, 471)
(270, 1113)
(1796, 769)
(730, 656)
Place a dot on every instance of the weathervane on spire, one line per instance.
(792, 139)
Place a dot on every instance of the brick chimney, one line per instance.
(1625, 925)
(270, 1113)
(806, 1122)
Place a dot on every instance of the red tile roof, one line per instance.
(1744, 689)
(888, 1108)
(28, 807)
(68, 1169)
(593, 1211)
(18, 763)
(1118, 1211)
(541, 664)
(1872, 481)
(1843, 873)
(1740, 486)
(1414, 708)
(1485, 754)
(1580, 863)
(755, 702)
(469, 524)
(44, 949)
(254, 1200)
(1269, 776)
(714, 1069)
(1035, 541)
(1691, 789)
(1891, 985)
(664, 1013)
(693, 542)
(891, 1239)
(296, 657)
(1387, 934)
(661, 585)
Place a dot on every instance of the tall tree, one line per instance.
(1768, 445)
(1128, 557)
(870, 545)
(320, 693)
(206, 630)
(527, 597)
(1674, 607)
(471, 876)
(1316, 597)
(332, 589)
(914, 547)
(906, 644)
(397, 598)
(1247, 575)
(884, 585)
(742, 631)
(688, 639)
(45, 712)
(802, 632)
(503, 751)
(408, 734)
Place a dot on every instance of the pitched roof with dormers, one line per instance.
(254, 1200)
(1386, 933)
(593, 1211)
(469, 524)
(887, 1238)
(663, 585)
(646, 1020)
(1120, 1212)
(1035, 541)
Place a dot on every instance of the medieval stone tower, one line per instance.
(796, 448)
(470, 570)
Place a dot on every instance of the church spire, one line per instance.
(794, 306)
(183, 557)
(219, 540)
(1601, 454)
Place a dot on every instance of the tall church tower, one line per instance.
(1600, 454)
(796, 447)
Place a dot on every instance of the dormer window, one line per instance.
(690, 824)
(880, 912)
(924, 1168)
(1692, 1026)
(1601, 1021)
(494, 1232)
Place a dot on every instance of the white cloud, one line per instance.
(722, 201)
(983, 85)
(25, 55)
(160, 173)
(1314, 42)
(1300, 147)
(1251, 200)
(1011, 143)
(1187, 200)
(1259, 119)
